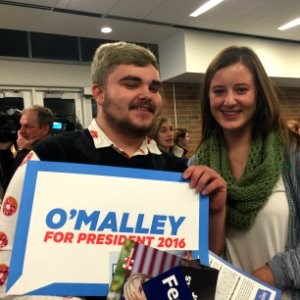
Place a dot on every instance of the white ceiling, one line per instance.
(152, 21)
(149, 21)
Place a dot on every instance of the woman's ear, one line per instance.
(98, 92)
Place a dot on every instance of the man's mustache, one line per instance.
(143, 104)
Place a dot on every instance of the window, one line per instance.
(12, 102)
(51, 46)
(89, 46)
(13, 43)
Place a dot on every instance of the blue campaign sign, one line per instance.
(168, 285)
(74, 218)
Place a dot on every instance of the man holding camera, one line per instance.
(35, 125)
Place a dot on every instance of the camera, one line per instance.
(64, 124)
(60, 125)
(9, 124)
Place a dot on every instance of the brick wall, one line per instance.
(182, 105)
(290, 100)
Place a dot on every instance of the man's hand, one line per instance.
(205, 180)
(24, 143)
(265, 274)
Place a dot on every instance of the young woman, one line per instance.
(163, 133)
(244, 138)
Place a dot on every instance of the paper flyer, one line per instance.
(74, 219)
(170, 284)
(189, 281)
(234, 284)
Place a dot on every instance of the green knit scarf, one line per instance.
(245, 197)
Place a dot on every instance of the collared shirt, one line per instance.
(101, 140)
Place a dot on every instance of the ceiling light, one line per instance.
(290, 24)
(205, 7)
(106, 30)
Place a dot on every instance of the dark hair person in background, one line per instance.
(35, 125)
(126, 87)
(181, 140)
(244, 138)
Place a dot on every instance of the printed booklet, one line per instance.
(235, 284)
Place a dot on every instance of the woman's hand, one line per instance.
(205, 180)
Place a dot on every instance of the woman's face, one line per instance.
(165, 136)
(184, 142)
(232, 97)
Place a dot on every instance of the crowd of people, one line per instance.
(246, 161)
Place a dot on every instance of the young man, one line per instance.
(126, 87)
(35, 125)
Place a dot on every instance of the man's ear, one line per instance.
(98, 93)
(45, 130)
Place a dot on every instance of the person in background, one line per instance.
(244, 138)
(35, 125)
(294, 134)
(126, 87)
(162, 133)
(181, 140)
(294, 125)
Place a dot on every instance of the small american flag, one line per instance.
(151, 261)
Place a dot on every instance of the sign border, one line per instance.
(20, 241)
